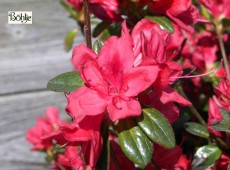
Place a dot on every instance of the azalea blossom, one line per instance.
(218, 8)
(149, 44)
(83, 141)
(105, 10)
(48, 124)
(112, 82)
(223, 94)
(214, 116)
(182, 12)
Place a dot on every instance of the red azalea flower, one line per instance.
(164, 160)
(182, 12)
(164, 100)
(223, 162)
(70, 159)
(218, 8)
(221, 73)
(214, 116)
(49, 123)
(105, 10)
(183, 163)
(84, 135)
(148, 41)
(223, 94)
(111, 81)
(149, 44)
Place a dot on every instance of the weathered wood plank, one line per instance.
(32, 54)
(18, 113)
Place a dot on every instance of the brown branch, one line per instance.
(87, 27)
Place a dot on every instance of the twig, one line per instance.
(192, 108)
(87, 27)
(223, 53)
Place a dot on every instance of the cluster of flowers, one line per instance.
(136, 69)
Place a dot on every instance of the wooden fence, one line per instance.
(30, 55)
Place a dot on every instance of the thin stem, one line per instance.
(87, 27)
(223, 53)
(192, 108)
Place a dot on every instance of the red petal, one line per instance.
(115, 59)
(138, 79)
(85, 101)
(52, 115)
(84, 59)
(120, 109)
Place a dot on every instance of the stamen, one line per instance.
(200, 75)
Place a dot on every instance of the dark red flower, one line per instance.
(223, 94)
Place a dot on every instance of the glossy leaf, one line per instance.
(164, 22)
(66, 82)
(100, 28)
(97, 46)
(205, 157)
(134, 143)
(197, 129)
(157, 127)
(69, 39)
(223, 125)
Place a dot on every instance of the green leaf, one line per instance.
(226, 24)
(197, 129)
(157, 127)
(113, 29)
(223, 125)
(204, 12)
(49, 159)
(205, 157)
(69, 39)
(228, 167)
(97, 46)
(66, 82)
(225, 113)
(164, 22)
(100, 28)
(134, 143)
(68, 8)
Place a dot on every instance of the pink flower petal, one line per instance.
(138, 79)
(85, 101)
(119, 108)
(115, 59)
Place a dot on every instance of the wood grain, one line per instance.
(30, 55)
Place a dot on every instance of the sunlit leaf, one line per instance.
(69, 39)
(205, 157)
(66, 82)
(97, 46)
(164, 22)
